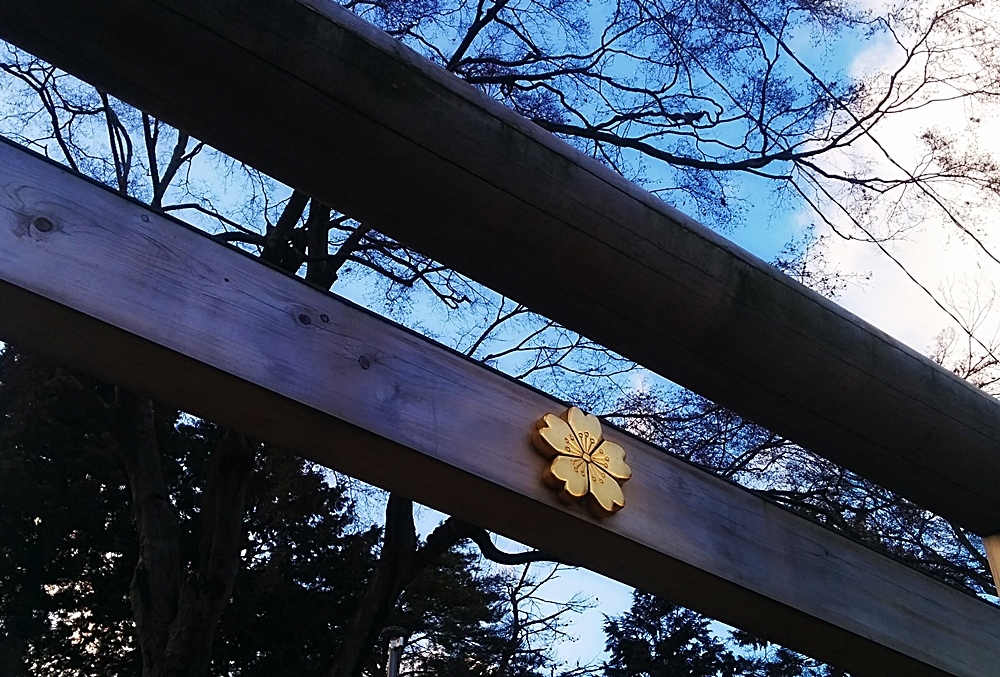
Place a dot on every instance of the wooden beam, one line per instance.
(992, 546)
(321, 100)
(103, 284)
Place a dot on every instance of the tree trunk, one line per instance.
(399, 563)
(206, 591)
(392, 572)
(156, 582)
(177, 611)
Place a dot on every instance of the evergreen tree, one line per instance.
(69, 547)
(66, 539)
(304, 565)
(656, 638)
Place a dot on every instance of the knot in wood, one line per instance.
(42, 224)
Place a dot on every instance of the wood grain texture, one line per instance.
(321, 100)
(144, 301)
(992, 546)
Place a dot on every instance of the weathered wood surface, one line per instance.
(142, 300)
(992, 546)
(319, 99)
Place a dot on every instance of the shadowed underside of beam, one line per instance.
(321, 100)
(139, 299)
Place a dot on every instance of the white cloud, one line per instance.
(932, 249)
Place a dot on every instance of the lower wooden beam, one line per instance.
(107, 286)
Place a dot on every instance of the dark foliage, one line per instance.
(69, 545)
(69, 550)
(658, 639)
(66, 537)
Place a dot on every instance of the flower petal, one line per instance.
(611, 458)
(553, 436)
(606, 497)
(586, 426)
(569, 476)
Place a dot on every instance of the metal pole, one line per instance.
(395, 635)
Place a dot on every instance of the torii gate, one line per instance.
(319, 99)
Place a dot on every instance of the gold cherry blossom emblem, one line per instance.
(583, 462)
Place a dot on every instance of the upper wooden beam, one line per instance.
(319, 99)
(105, 285)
